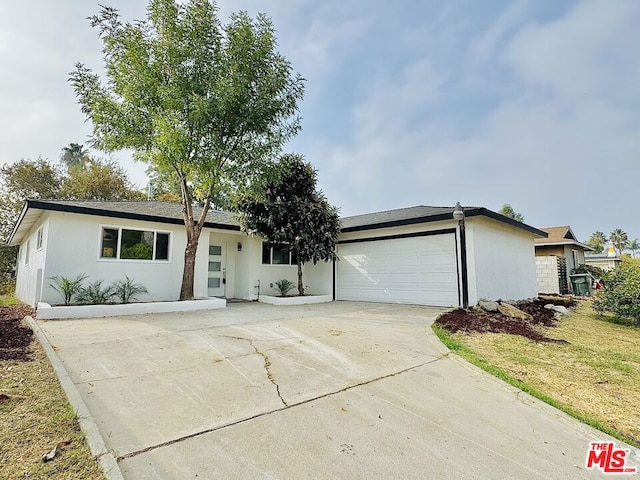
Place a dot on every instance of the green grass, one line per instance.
(514, 357)
(8, 301)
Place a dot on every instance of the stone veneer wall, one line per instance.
(547, 274)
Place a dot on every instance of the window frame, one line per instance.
(27, 251)
(119, 230)
(271, 248)
(39, 238)
(576, 257)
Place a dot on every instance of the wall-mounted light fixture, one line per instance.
(239, 246)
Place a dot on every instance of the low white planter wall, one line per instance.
(307, 299)
(47, 312)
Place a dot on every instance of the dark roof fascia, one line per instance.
(501, 218)
(568, 241)
(469, 212)
(18, 222)
(57, 207)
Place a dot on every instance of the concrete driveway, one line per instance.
(338, 390)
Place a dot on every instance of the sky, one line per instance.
(527, 102)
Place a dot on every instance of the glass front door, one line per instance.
(216, 271)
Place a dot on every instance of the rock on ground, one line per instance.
(511, 311)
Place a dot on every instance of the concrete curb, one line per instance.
(96, 443)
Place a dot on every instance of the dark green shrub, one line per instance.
(621, 293)
(138, 251)
(596, 272)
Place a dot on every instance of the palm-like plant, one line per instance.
(597, 241)
(126, 290)
(68, 287)
(73, 154)
(95, 294)
(284, 286)
(634, 246)
(619, 240)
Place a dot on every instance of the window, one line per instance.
(277, 254)
(129, 244)
(576, 258)
(39, 239)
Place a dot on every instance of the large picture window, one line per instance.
(277, 254)
(130, 244)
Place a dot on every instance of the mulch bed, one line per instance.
(15, 338)
(468, 321)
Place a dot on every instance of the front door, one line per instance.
(216, 271)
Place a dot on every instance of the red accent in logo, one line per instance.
(606, 457)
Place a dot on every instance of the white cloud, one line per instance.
(581, 54)
(486, 44)
(559, 145)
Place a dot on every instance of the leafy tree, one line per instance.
(597, 241)
(508, 211)
(165, 187)
(633, 245)
(208, 103)
(621, 293)
(40, 179)
(619, 240)
(73, 154)
(287, 208)
(20, 180)
(25, 179)
(94, 179)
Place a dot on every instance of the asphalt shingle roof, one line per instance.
(397, 215)
(166, 212)
(161, 211)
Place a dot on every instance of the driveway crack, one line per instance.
(276, 410)
(267, 364)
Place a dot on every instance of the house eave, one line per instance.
(35, 205)
(574, 243)
(469, 212)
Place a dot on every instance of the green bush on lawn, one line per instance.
(621, 293)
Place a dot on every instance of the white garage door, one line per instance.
(416, 270)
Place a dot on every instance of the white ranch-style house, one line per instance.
(417, 255)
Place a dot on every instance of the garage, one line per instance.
(420, 268)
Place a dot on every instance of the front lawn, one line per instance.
(594, 377)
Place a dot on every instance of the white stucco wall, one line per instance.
(74, 248)
(31, 272)
(501, 261)
(318, 279)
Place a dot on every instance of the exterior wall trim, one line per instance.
(428, 233)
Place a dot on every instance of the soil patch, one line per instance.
(467, 321)
(15, 338)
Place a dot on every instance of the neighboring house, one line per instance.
(604, 261)
(411, 255)
(556, 256)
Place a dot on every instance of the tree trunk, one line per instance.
(300, 283)
(186, 291)
(193, 235)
